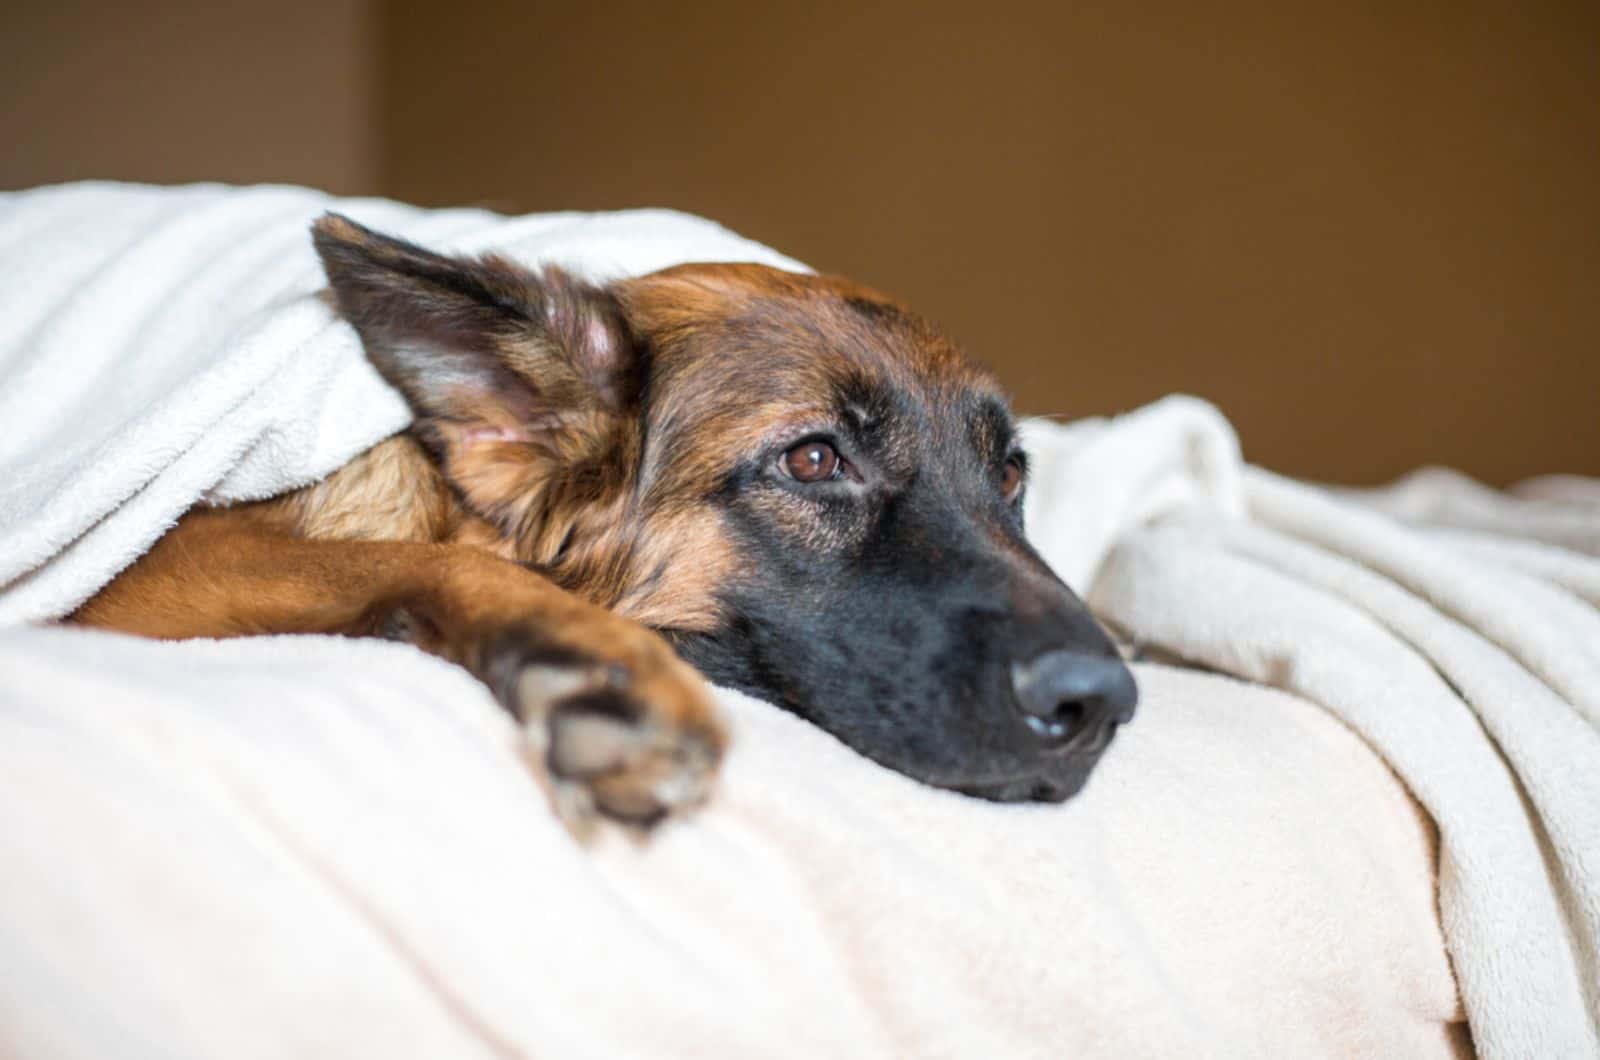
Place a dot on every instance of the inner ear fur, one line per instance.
(524, 384)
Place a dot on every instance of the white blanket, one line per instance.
(301, 846)
(1455, 628)
(159, 346)
(305, 847)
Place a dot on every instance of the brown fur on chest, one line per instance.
(396, 492)
(391, 492)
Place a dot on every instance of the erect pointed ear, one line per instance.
(521, 382)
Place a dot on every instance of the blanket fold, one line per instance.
(1476, 679)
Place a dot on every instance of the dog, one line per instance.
(787, 484)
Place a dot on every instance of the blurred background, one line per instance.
(1369, 232)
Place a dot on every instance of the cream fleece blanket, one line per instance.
(1463, 643)
(305, 847)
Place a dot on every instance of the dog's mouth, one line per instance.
(1027, 789)
(1055, 781)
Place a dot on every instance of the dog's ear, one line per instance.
(524, 384)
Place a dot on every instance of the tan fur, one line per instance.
(392, 492)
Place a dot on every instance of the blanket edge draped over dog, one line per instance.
(160, 347)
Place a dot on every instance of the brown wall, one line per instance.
(1372, 236)
(229, 90)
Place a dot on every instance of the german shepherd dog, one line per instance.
(788, 483)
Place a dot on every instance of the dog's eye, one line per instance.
(811, 461)
(1011, 478)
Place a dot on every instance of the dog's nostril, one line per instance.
(1066, 696)
(1061, 725)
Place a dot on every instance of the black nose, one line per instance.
(1067, 697)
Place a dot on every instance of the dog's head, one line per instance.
(802, 484)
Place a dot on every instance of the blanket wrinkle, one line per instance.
(1552, 508)
(1175, 453)
(1476, 682)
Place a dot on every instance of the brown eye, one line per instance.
(1011, 479)
(811, 461)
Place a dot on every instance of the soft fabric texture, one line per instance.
(162, 346)
(307, 846)
(311, 847)
(1454, 627)
(1467, 654)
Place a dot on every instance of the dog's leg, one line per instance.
(622, 725)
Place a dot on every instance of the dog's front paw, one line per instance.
(627, 731)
